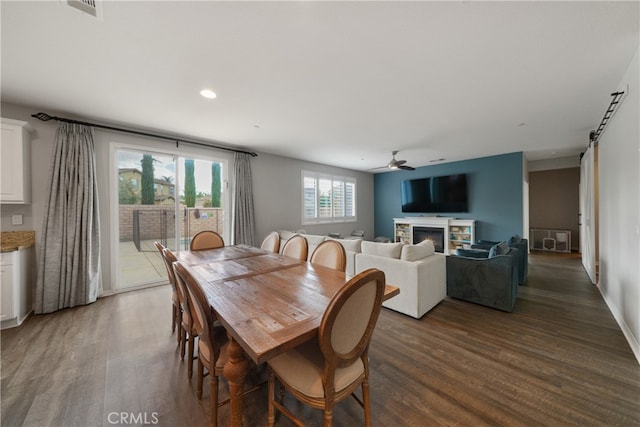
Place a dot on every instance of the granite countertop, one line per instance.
(13, 240)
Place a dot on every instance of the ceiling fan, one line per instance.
(398, 164)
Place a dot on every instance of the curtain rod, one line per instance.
(594, 135)
(46, 117)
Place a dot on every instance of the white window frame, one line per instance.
(332, 218)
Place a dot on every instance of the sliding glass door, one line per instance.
(162, 197)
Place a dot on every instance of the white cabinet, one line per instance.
(16, 273)
(7, 305)
(15, 162)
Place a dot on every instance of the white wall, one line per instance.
(277, 188)
(277, 185)
(619, 195)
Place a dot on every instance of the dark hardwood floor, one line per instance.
(559, 359)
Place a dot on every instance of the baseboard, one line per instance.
(633, 342)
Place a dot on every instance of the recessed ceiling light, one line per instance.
(208, 93)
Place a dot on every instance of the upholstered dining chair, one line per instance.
(176, 312)
(206, 239)
(322, 372)
(189, 323)
(212, 341)
(330, 253)
(271, 243)
(296, 247)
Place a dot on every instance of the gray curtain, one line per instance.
(244, 216)
(69, 264)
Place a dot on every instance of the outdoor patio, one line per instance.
(139, 268)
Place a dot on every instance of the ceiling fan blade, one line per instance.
(407, 168)
(400, 162)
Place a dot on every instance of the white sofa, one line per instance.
(417, 270)
(351, 247)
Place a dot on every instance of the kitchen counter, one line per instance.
(13, 240)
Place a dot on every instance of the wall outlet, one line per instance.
(16, 219)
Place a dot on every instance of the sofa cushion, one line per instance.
(472, 253)
(314, 240)
(416, 252)
(350, 245)
(388, 250)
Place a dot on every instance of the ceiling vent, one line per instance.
(91, 7)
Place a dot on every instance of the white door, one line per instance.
(588, 222)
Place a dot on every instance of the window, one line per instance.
(328, 198)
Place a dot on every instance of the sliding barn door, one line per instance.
(588, 220)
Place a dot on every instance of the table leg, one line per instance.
(235, 370)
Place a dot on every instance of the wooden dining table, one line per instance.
(267, 302)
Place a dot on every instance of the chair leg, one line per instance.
(272, 392)
(173, 318)
(183, 341)
(328, 417)
(190, 357)
(200, 374)
(179, 334)
(213, 381)
(367, 406)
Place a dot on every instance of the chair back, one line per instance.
(349, 320)
(200, 309)
(171, 277)
(181, 290)
(167, 264)
(330, 253)
(271, 242)
(206, 239)
(296, 247)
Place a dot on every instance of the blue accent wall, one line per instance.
(494, 190)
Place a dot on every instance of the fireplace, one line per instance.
(435, 234)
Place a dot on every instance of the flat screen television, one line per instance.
(436, 194)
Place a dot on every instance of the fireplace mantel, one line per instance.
(458, 233)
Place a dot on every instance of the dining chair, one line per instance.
(189, 322)
(176, 312)
(296, 247)
(206, 239)
(322, 372)
(212, 343)
(330, 253)
(271, 243)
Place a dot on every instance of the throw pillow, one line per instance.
(515, 239)
(350, 245)
(285, 235)
(503, 248)
(493, 251)
(387, 250)
(416, 252)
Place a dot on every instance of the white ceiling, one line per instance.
(340, 83)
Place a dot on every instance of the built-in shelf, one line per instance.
(456, 233)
